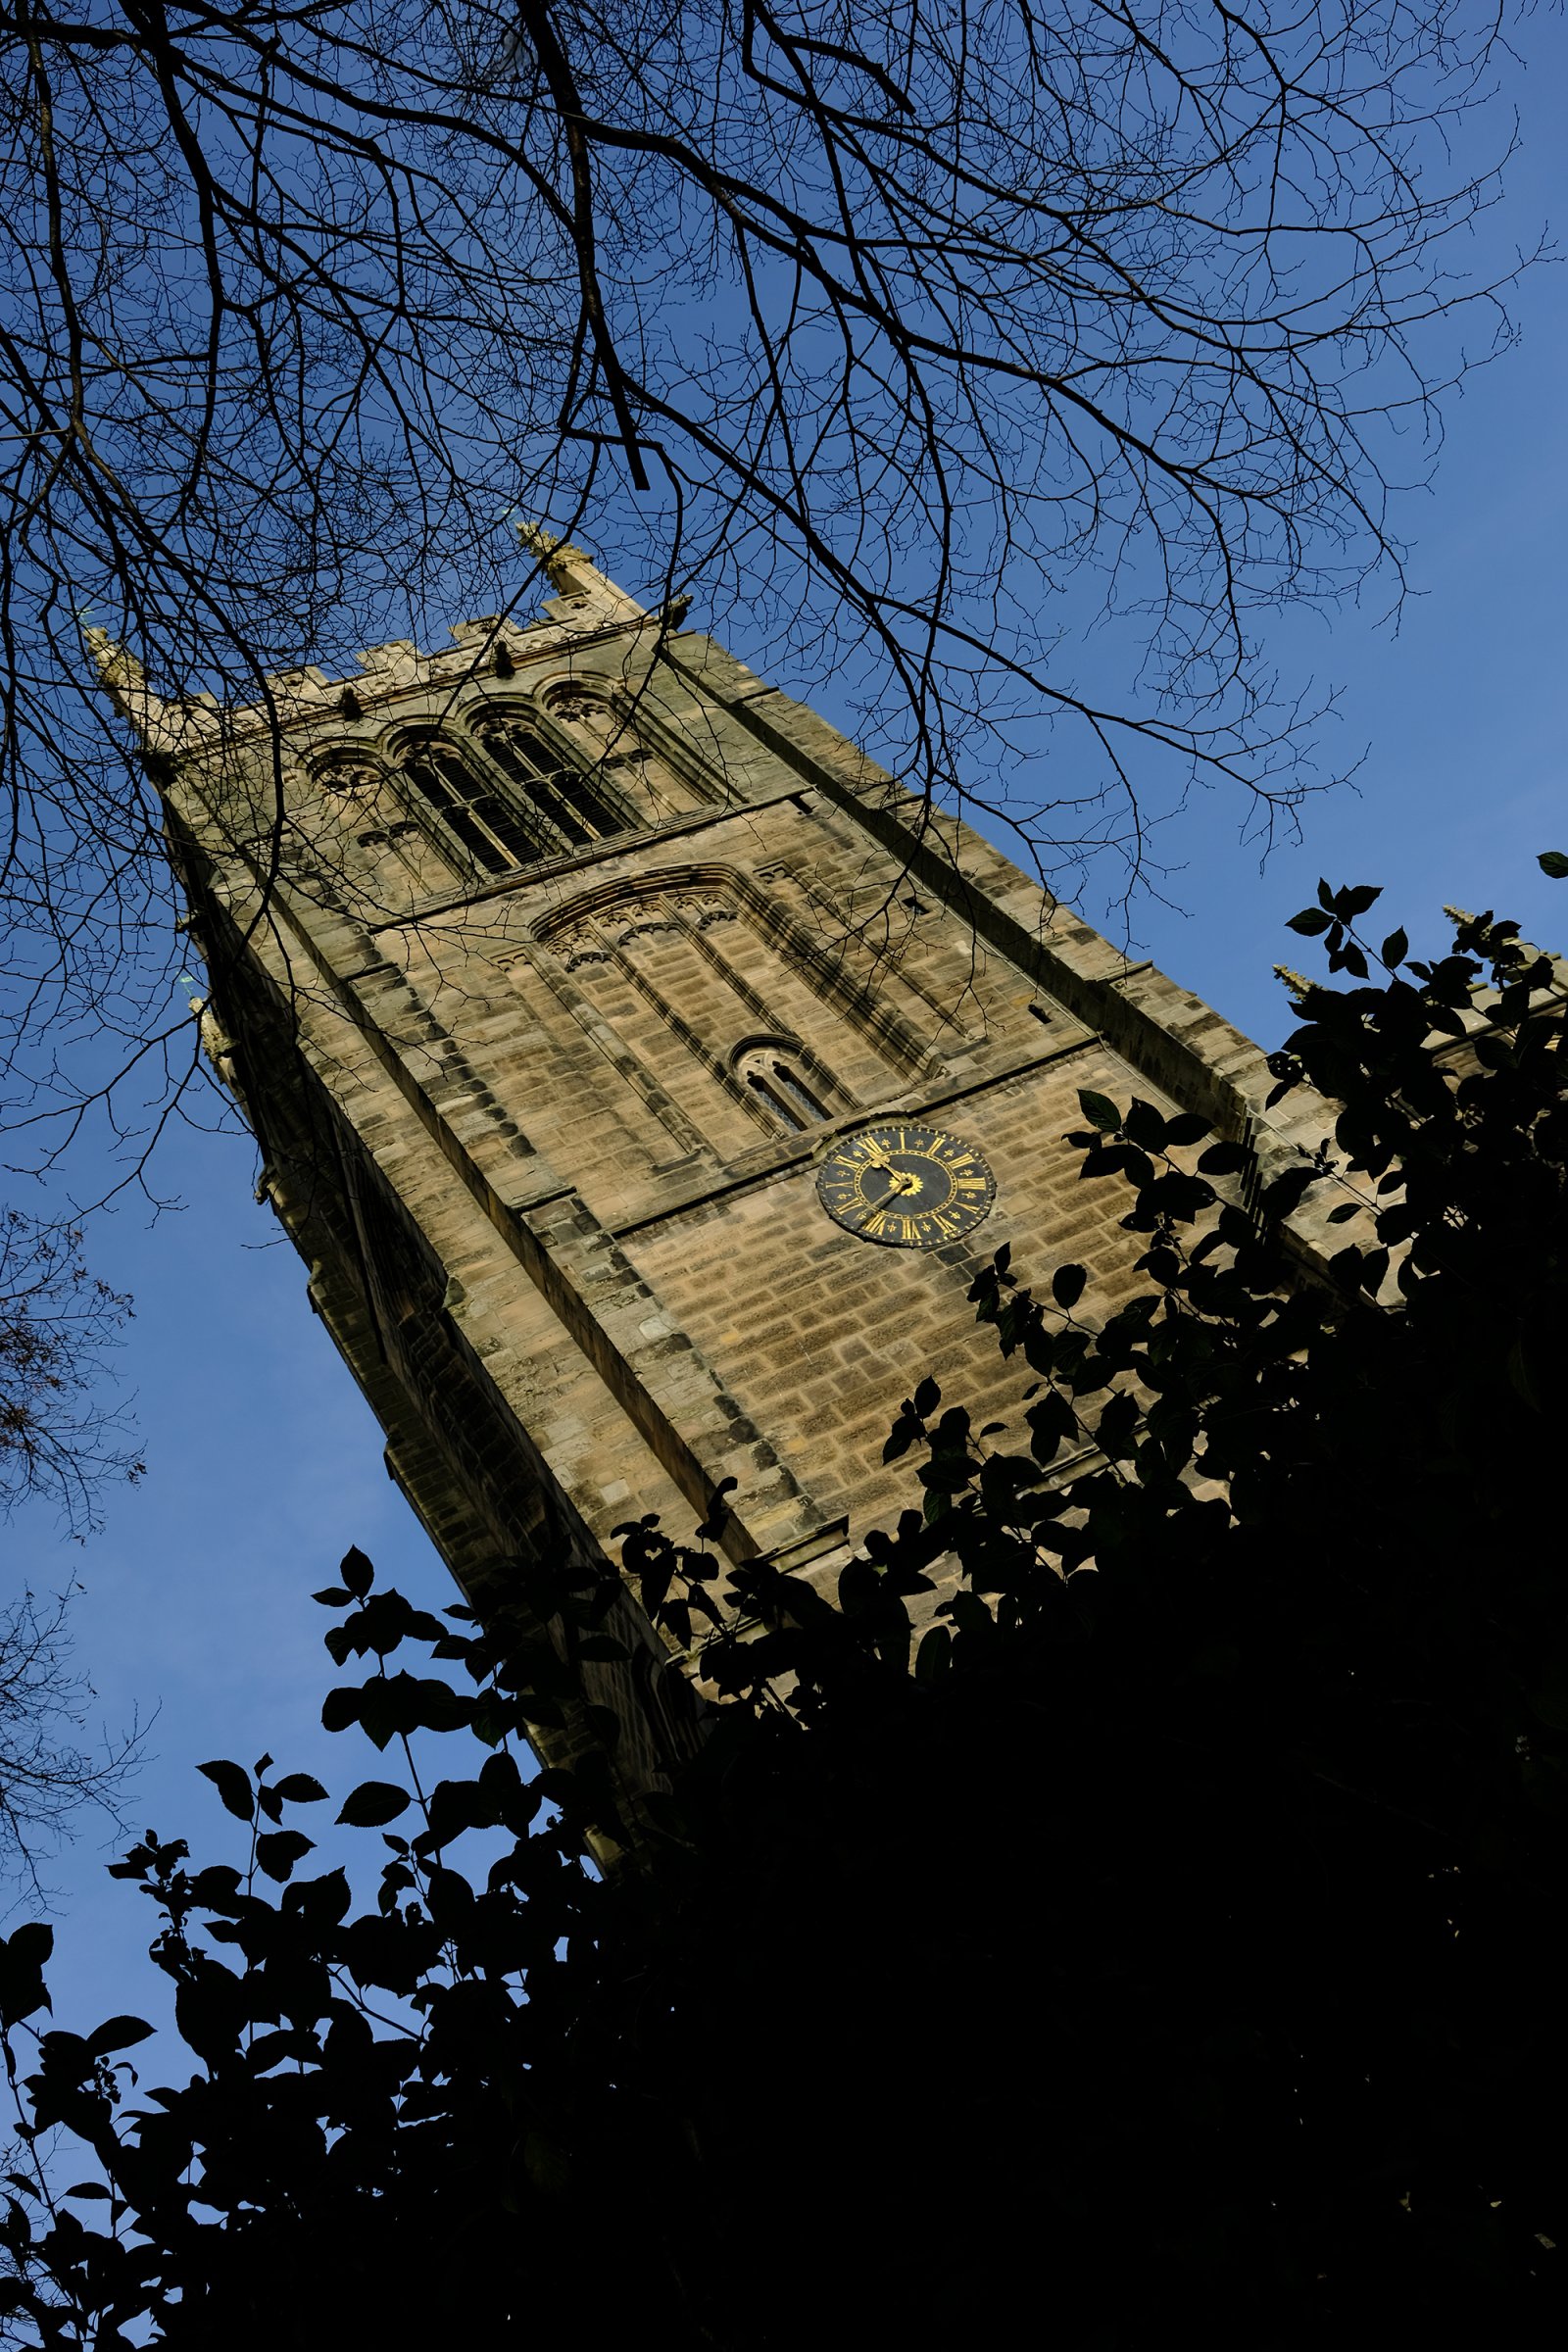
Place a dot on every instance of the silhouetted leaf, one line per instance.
(1144, 1124)
(947, 1473)
(299, 1789)
(279, 1852)
(340, 1708)
(901, 1436)
(1067, 1286)
(357, 1572)
(1113, 1433)
(373, 1803)
(233, 1785)
(23, 1955)
(118, 2034)
(1285, 1194)
(1098, 1110)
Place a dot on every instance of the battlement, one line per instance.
(585, 604)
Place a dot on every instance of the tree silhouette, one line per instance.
(1158, 1924)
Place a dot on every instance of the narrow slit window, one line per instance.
(788, 1098)
(801, 1093)
(788, 1117)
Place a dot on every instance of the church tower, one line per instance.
(643, 1076)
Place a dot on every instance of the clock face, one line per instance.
(909, 1186)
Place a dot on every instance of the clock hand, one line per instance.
(900, 1180)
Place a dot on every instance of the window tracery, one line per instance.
(575, 802)
(506, 787)
(494, 832)
(711, 991)
(610, 737)
(350, 775)
(773, 1074)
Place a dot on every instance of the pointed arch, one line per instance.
(776, 1073)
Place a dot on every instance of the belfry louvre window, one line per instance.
(492, 832)
(574, 803)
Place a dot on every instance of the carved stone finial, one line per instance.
(556, 555)
(570, 569)
(588, 595)
(119, 673)
(162, 726)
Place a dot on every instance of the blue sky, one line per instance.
(264, 1465)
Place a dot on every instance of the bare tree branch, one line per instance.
(58, 1437)
(928, 338)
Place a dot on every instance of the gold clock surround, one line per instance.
(905, 1184)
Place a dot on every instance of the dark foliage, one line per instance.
(1165, 1940)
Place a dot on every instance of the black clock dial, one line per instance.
(905, 1184)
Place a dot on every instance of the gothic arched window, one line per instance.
(573, 803)
(495, 834)
(774, 1077)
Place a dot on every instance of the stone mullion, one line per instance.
(488, 781)
(554, 733)
(478, 740)
(734, 979)
(717, 1068)
(424, 816)
(620, 1055)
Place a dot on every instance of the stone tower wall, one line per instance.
(501, 1087)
